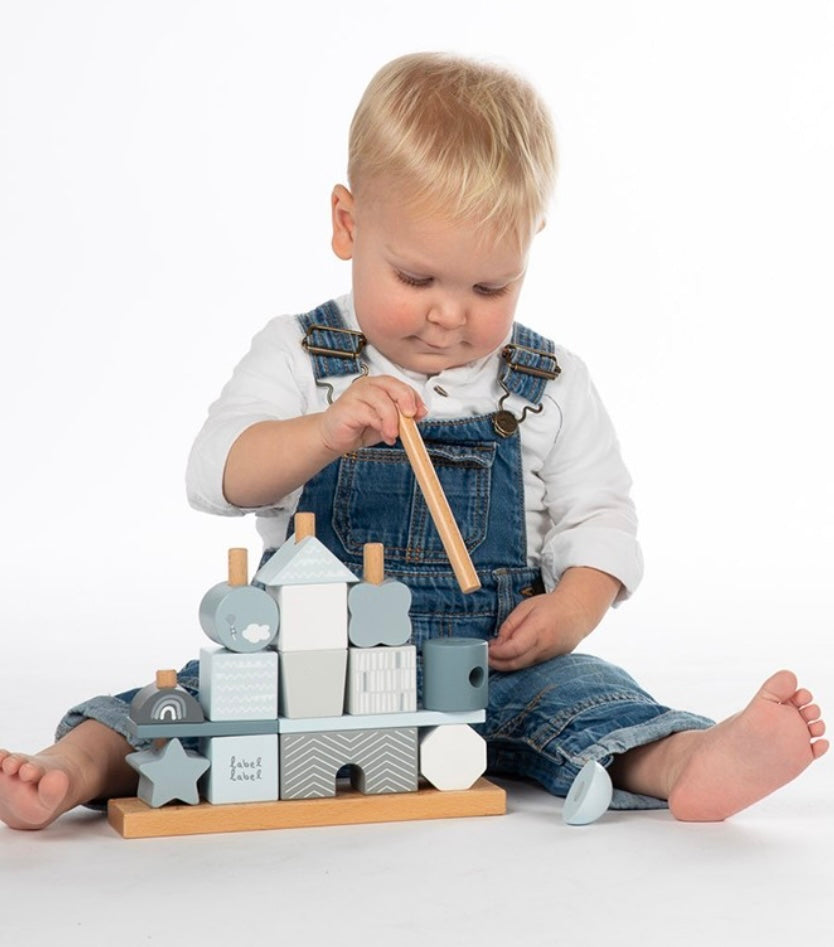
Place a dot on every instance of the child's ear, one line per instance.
(341, 204)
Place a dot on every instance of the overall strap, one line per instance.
(333, 348)
(528, 359)
(529, 364)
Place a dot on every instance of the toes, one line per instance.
(818, 747)
(52, 789)
(16, 764)
(11, 763)
(817, 728)
(809, 713)
(802, 697)
(29, 772)
(780, 687)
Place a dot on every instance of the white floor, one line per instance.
(764, 878)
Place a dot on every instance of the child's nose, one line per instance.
(447, 312)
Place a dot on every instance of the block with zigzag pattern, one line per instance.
(383, 761)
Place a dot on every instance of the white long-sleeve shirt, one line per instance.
(577, 506)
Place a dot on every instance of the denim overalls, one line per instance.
(543, 722)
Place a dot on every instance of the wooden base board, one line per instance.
(132, 818)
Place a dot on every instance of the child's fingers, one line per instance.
(511, 651)
(368, 411)
(513, 621)
(389, 398)
(404, 397)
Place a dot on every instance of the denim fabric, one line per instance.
(371, 495)
(546, 722)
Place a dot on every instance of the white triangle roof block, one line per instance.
(309, 562)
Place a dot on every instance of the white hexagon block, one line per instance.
(452, 756)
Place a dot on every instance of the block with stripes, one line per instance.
(382, 680)
(382, 761)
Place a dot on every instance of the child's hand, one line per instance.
(535, 631)
(367, 412)
(546, 626)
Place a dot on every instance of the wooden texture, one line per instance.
(441, 512)
(238, 566)
(131, 818)
(373, 562)
(166, 678)
(304, 525)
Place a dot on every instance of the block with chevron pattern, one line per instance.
(383, 761)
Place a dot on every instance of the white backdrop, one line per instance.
(165, 170)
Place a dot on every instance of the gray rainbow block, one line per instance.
(242, 618)
(383, 761)
(243, 769)
(168, 773)
(313, 682)
(455, 674)
(238, 686)
(381, 680)
(165, 706)
(379, 614)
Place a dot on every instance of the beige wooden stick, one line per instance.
(438, 506)
(373, 563)
(305, 525)
(238, 566)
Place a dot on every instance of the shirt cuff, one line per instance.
(608, 550)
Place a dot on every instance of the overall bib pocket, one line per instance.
(396, 514)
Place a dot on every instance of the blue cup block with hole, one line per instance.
(455, 674)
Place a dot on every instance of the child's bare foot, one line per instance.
(746, 757)
(34, 790)
(88, 763)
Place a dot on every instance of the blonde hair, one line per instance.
(466, 139)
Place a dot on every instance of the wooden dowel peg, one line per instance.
(238, 566)
(305, 525)
(373, 563)
(441, 512)
(166, 678)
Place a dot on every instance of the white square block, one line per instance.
(382, 680)
(313, 617)
(243, 769)
(238, 686)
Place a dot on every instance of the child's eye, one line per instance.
(412, 280)
(491, 290)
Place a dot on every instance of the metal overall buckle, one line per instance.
(307, 345)
(504, 422)
(357, 339)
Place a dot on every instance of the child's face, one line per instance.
(429, 294)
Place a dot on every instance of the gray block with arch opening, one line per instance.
(455, 674)
(383, 761)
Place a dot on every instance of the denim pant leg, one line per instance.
(113, 710)
(546, 722)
